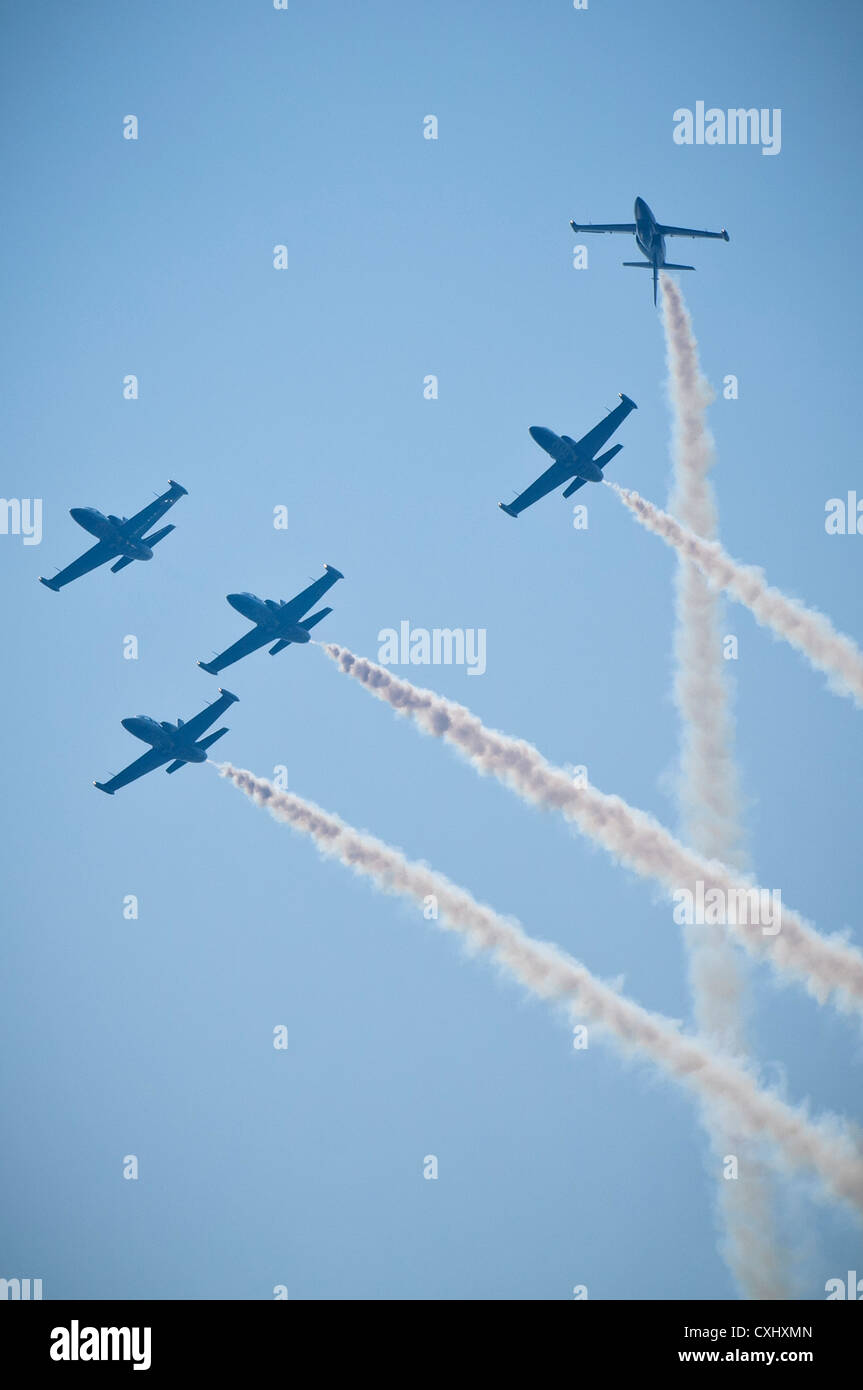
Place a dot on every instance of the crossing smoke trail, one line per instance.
(809, 631)
(709, 789)
(804, 1144)
(827, 965)
(710, 796)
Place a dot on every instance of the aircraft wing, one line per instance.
(603, 227)
(302, 602)
(552, 477)
(144, 519)
(194, 727)
(98, 554)
(690, 231)
(593, 441)
(148, 762)
(252, 640)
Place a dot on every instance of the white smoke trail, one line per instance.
(804, 1144)
(710, 795)
(809, 631)
(709, 790)
(828, 965)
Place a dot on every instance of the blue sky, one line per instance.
(305, 388)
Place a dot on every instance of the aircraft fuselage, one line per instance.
(112, 529)
(651, 243)
(269, 615)
(565, 452)
(165, 736)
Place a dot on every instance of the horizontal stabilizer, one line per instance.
(280, 645)
(121, 564)
(211, 738)
(175, 765)
(669, 265)
(158, 536)
(574, 486)
(607, 457)
(315, 618)
(639, 265)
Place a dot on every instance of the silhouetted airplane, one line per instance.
(175, 744)
(118, 535)
(275, 620)
(573, 458)
(649, 237)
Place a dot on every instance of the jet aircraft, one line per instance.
(117, 535)
(573, 458)
(649, 237)
(278, 621)
(175, 744)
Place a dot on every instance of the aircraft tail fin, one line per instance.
(211, 738)
(121, 564)
(607, 457)
(315, 618)
(158, 536)
(175, 765)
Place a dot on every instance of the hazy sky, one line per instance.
(303, 388)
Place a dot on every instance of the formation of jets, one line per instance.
(649, 238)
(279, 623)
(577, 458)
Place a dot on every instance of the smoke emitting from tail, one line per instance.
(709, 789)
(809, 631)
(827, 965)
(805, 1145)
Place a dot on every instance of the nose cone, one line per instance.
(640, 208)
(138, 724)
(542, 436)
(247, 604)
(81, 514)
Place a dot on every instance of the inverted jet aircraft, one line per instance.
(277, 621)
(573, 458)
(174, 744)
(649, 238)
(117, 535)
